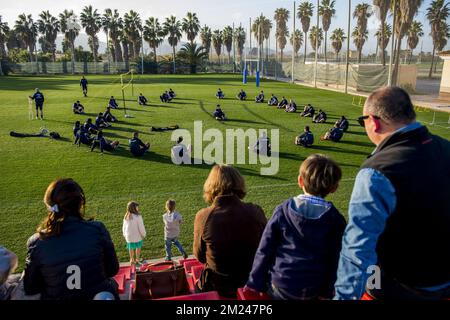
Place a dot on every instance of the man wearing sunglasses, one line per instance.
(399, 212)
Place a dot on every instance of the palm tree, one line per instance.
(193, 55)
(4, 30)
(239, 40)
(383, 37)
(383, 8)
(133, 28)
(153, 34)
(337, 38)
(191, 26)
(172, 28)
(281, 17)
(49, 26)
(227, 39)
(92, 23)
(326, 11)
(69, 34)
(316, 37)
(112, 25)
(217, 41)
(296, 41)
(27, 30)
(123, 38)
(261, 29)
(304, 13)
(206, 38)
(359, 39)
(415, 31)
(437, 13)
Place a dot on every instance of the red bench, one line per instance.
(211, 295)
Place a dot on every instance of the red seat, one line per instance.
(157, 266)
(251, 295)
(120, 279)
(366, 297)
(191, 284)
(191, 263)
(196, 272)
(211, 295)
(182, 261)
(126, 271)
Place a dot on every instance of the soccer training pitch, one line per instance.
(28, 165)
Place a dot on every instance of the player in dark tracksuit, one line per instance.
(38, 98)
(84, 85)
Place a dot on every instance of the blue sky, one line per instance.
(216, 14)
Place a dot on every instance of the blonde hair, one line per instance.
(132, 208)
(223, 180)
(170, 205)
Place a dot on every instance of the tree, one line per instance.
(191, 26)
(172, 28)
(359, 39)
(112, 25)
(415, 31)
(49, 26)
(205, 37)
(92, 23)
(132, 26)
(316, 37)
(4, 30)
(304, 13)
(326, 11)
(281, 17)
(193, 55)
(153, 34)
(383, 36)
(337, 38)
(27, 30)
(261, 29)
(217, 41)
(70, 33)
(296, 41)
(437, 13)
(239, 40)
(227, 39)
(383, 7)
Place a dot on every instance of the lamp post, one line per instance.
(73, 27)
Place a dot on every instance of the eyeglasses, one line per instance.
(361, 119)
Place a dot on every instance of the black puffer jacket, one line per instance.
(85, 244)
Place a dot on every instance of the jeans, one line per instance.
(169, 247)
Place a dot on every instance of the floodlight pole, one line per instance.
(347, 58)
(317, 47)
(391, 58)
(142, 51)
(293, 58)
(234, 50)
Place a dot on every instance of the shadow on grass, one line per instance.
(265, 120)
(337, 149)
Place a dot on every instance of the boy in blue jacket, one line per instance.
(298, 254)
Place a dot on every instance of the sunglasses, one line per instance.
(361, 120)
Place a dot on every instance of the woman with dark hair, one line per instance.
(69, 257)
(227, 233)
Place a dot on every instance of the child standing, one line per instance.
(172, 221)
(133, 230)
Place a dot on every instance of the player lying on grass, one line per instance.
(306, 139)
(38, 98)
(84, 85)
(242, 95)
(273, 101)
(335, 134)
(165, 97)
(137, 147)
(113, 103)
(291, 107)
(108, 115)
(172, 94)
(343, 123)
(142, 100)
(283, 103)
(100, 121)
(219, 114)
(320, 117)
(260, 97)
(104, 144)
(308, 111)
(220, 94)
(81, 135)
(78, 108)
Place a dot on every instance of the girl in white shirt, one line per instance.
(133, 230)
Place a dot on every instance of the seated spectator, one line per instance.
(227, 233)
(172, 94)
(104, 144)
(260, 97)
(78, 108)
(108, 115)
(83, 136)
(142, 100)
(180, 153)
(263, 146)
(219, 114)
(112, 103)
(220, 94)
(343, 123)
(291, 107)
(137, 147)
(298, 255)
(306, 139)
(283, 103)
(320, 117)
(64, 240)
(308, 111)
(100, 122)
(8, 263)
(273, 101)
(165, 97)
(90, 127)
(335, 134)
(242, 95)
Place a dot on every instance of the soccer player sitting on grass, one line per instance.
(180, 153)
(263, 146)
(283, 103)
(84, 85)
(308, 111)
(137, 147)
(291, 107)
(100, 122)
(260, 97)
(172, 94)
(38, 98)
(82, 136)
(242, 95)
(142, 100)
(273, 101)
(78, 108)
(343, 123)
(90, 127)
(76, 128)
(306, 139)
(220, 94)
(113, 103)
(108, 115)
(335, 134)
(298, 254)
(165, 97)
(219, 114)
(320, 117)
(104, 144)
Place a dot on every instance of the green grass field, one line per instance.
(28, 165)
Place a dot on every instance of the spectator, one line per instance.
(172, 221)
(137, 147)
(65, 242)
(227, 233)
(399, 212)
(306, 139)
(133, 231)
(8, 263)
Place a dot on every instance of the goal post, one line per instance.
(249, 66)
(126, 81)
